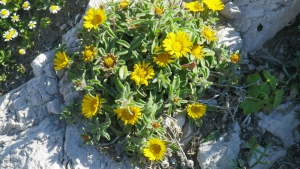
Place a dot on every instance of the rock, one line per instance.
(225, 1)
(261, 20)
(273, 154)
(230, 38)
(187, 133)
(41, 61)
(281, 123)
(231, 11)
(217, 154)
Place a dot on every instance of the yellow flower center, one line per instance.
(142, 73)
(195, 109)
(94, 104)
(3, 12)
(127, 115)
(15, 17)
(53, 8)
(163, 57)
(8, 36)
(109, 62)
(12, 32)
(25, 5)
(158, 11)
(208, 33)
(155, 148)
(177, 46)
(97, 19)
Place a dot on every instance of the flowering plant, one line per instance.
(141, 64)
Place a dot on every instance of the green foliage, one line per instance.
(254, 152)
(262, 92)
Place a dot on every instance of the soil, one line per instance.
(277, 53)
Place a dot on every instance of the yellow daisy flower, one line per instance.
(162, 59)
(32, 24)
(127, 117)
(214, 5)
(178, 44)
(158, 11)
(196, 110)
(93, 18)
(89, 53)
(194, 6)
(15, 18)
(197, 51)
(142, 73)
(60, 61)
(209, 34)
(13, 32)
(155, 149)
(124, 4)
(90, 105)
(234, 58)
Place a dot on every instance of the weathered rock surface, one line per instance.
(261, 20)
(281, 123)
(217, 154)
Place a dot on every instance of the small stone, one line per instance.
(231, 11)
(230, 38)
(62, 27)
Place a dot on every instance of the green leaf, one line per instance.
(124, 43)
(278, 98)
(255, 90)
(253, 78)
(198, 122)
(251, 106)
(122, 52)
(123, 72)
(174, 147)
(136, 42)
(270, 79)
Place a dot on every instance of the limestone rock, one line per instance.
(280, 123)
(230, 38)
(218, 154)
(231, 11)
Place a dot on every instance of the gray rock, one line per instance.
(281, 123)
(218, 154)
(241, 2)
(51, 86)
(54, 106)
(41, 61)
(231, 11)
(225, 1)
(49, 71)
(230, 38)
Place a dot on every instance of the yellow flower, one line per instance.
(124, 4)
(26, 5)
(90, 105)
(60, 61)
(4, 13)
(234, 58)
(196, 110)
(155, 149)
(13, 32)
(162, 59)
(3, 2)
(129, 117)
(209, 34)
(214, 5)
(93, 18)
(178, 44)
(194, 6)
(7, 36)
(197, 51)
(142, 73)
(89, 53)
(15, 18)
(22, 51)
(109, 62)
(158, 11)
(54, 9)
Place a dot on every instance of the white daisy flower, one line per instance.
(13, 32)
(54, 9)
(3, 2)
(22, 51)
(4, 13)
(7, 36)
(26, 5)
(15, 18)
(32, 24)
